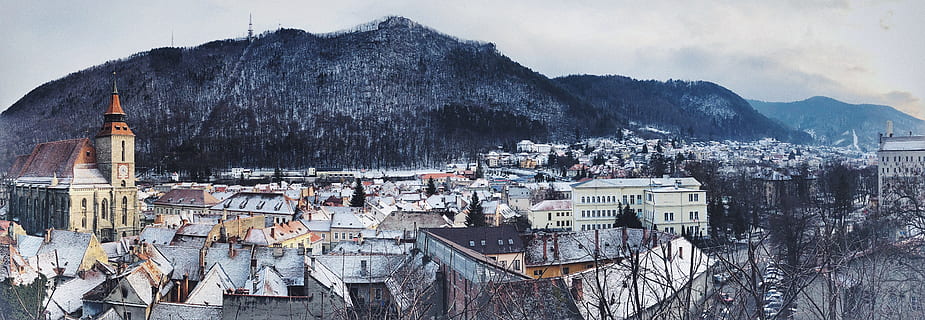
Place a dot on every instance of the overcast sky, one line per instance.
(787, 50)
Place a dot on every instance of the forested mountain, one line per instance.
(691, 108)
(386, 94)
(832, 122)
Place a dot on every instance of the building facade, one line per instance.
(676, 210)
(596, 203)
(78, 185)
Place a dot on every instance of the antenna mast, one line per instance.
(250, 27)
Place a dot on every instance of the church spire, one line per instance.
(114, 117)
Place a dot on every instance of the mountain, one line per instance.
(835, 123)
(691, 108)
(390, 93)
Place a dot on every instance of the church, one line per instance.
(79, 185)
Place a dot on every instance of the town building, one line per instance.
(676, 210)
(596, 203)
(901, 160)
(552, 215)
(186, 203)
(78, 185)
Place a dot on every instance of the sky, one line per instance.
(772, 50)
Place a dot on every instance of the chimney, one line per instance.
(555, 246)
(889, 128)
(677, 183)
(544, 248)
(302, 249)
(277, 251)
(577, 289)
(597, 243)
(231, 250)
(668, 249)
(202, 258)
(184, 287)
(273, 233)
(47, 234)
(625, 236)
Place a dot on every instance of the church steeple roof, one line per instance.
(114, 117)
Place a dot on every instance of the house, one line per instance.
(275, 207)
(501, 244)
(289, 235)
(552, 214)
(189, 204)
(67, 253)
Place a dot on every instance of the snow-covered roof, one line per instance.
(552, 205)
(157, 235)
(268, 282)
(362, 268)
(210, 289)
(168, 310)
(904, 143)
(635, 182)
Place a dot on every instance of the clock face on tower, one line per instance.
(123, 171)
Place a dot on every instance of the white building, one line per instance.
(672, 209)
(596, 203)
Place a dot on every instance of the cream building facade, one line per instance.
(676, 210)
(596, 203)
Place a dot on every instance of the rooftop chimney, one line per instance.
(889, 128)
(544, 248)
(555, 246)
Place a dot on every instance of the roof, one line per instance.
(57, 158)
(210, 289)
(70, 246)
(635, 182)
(167, 310)
(485, 240)
(673, 189)
(157, 235)
(327, 278)
(188, 198)
(185, 261)
(276, 233)
(579, 246)
(355, 269)
(553, 205)
(68, 295)
(195, 229)
(290, 264)
(258, 202)
(904, 143)
(114, 119)
(346, 219)
(401, 221)
(268, 282)
(27, 245)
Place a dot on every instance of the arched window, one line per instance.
(83, 206)
(124, 210)
(123, 150)
(105, 210)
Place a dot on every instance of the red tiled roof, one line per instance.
(57, 158)
(18, 165)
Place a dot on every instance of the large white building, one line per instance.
(596, 203)
(900, 158)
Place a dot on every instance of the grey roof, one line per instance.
(210, 289)
(71, 247)
(28, 246)
(166, 310)
(372, 246)
(400, 221)
(258, 203)
(636, 182)
(68, 295)
(472, 238)
(195, 229)
(157, 235)
(268, 282)
(346, 220)
(185, 260)
(362, 268)
(317, 225)
(236, 266)
(579, 246)
(291, 265)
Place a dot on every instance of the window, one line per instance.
(564, 270)
(471, 243)
(378, 293)
(501, 242)
(483, 242)
(510, 241)
(516, 264)
(124, 211)
(123, 150)
(624, 200)
(335, 236)
(105, 211)
(538, 272)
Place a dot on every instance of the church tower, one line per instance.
(115, 158)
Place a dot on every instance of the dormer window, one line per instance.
(510, 241)
(483, 243)
(471, 243)
(500, 242)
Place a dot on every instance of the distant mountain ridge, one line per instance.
(836, 123)
(390, 93)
